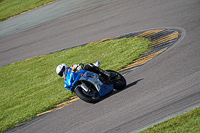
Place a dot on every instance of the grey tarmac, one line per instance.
(164, 86)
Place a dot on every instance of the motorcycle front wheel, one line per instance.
(92, 96)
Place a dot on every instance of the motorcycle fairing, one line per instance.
(84, 75)
(71, 78)
(93, 78)
(105, 89)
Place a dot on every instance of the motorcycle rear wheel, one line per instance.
(119, 81)
(92, 96)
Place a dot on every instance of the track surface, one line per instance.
(162, 87)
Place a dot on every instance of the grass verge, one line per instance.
(30, 87)
(185, 123)
(10, 8)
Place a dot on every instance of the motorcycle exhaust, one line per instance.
(85, 88)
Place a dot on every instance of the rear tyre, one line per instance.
(92, 96)
(118, 81)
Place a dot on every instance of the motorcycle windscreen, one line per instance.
(70, 79)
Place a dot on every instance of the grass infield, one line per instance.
(30, 87)
(185, 123)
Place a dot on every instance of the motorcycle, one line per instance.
(90, 86)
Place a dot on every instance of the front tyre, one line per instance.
(92, 96)
(118, 81)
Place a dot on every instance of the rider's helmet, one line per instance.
(61, 70)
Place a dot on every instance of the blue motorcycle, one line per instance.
(90, 86)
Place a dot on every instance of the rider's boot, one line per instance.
(97, 64)
(94, 68)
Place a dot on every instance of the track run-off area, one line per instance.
(162, 87)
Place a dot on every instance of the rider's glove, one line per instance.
(80, 66)
(74, 68)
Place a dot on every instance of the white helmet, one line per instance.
(60, 70)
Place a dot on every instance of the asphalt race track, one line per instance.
(163, 87)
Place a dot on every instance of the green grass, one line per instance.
(10, 8)
(185, 123)
(30, 87)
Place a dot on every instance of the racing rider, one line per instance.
(62, 69)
